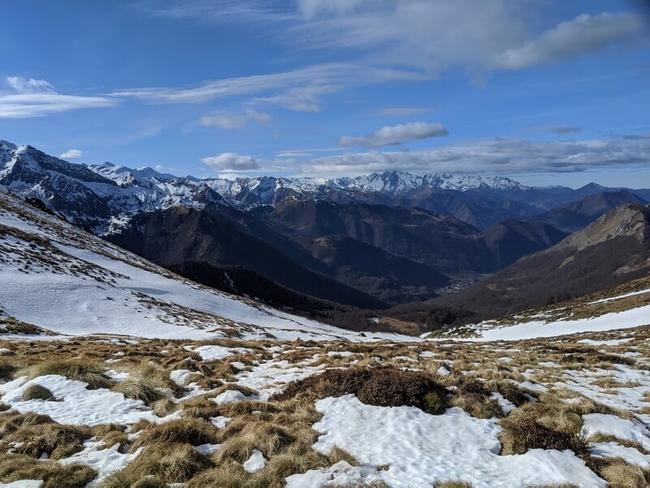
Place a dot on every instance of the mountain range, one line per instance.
(325, 247)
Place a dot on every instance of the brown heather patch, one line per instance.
(542, 425)
(382, 386)
(14, 467)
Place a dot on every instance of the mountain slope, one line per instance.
(180, 235)
(58, 277)
(612, 250)
(443, 243)
(511, 239)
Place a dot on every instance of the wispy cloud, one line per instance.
(582, 35)
(397, 134)
(295, 89)
(36, 98)
(234, 120)
(71, 154)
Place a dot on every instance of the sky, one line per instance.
(547, 92)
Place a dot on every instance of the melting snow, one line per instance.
(421, 449)
(74, 403)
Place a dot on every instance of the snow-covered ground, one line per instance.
(60, 278)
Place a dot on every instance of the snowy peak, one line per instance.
(124, 176)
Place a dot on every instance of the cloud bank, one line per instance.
(496, 156)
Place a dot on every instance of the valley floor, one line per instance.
(117, 411)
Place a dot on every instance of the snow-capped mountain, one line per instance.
(97, 197)
(104, 196)
(266, 189)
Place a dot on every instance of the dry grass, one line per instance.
(55, 440)
(139, 389)
(183, 431)
(160, 464)
(14, 467)
(74, 369)
(7, 369)
(619, 474)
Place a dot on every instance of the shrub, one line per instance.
(36, 392)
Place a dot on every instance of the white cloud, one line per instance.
(582, 35)
(231, 162)
(397, 134)
(36, 98)
(230, 120)
(71, 154)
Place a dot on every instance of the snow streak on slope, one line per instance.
(56, 276)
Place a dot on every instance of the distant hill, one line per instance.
(576, 215)
(612, 250)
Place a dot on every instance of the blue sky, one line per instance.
(550, 92)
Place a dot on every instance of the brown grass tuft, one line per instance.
(75, 369)
(183, 431)
(14, 467)
(164, 462)
(139, 389)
